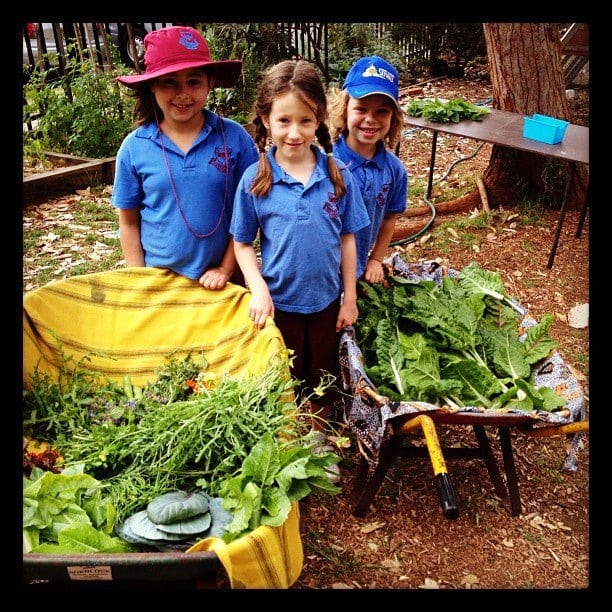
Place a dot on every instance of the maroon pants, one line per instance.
(314, 341)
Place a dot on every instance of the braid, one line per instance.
(335, 175)
(262, 183)
(261, 134)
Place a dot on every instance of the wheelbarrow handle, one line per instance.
(446, 493)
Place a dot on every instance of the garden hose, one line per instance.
(414, 236)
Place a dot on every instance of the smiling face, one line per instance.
(368, 120)
(182, 95)
(292, 125)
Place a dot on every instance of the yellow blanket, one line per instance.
(133, 319)
(265, 558)
(128, 322)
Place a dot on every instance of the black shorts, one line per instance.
(314, 341)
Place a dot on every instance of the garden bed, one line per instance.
(67, 173)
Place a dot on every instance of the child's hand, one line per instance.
(261, 307)
(214, 278)
(347, 315)
(375, 272)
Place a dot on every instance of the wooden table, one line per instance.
(506, 129)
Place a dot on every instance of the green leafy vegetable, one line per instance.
(177, 506)
(451, 111)
(455, 343)
(54, 502)
(272, 476)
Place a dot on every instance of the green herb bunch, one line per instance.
(188, 425)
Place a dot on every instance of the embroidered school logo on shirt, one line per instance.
(222, 160)
(188, 41)
(381, 73)
(331, 206)
(382, 196)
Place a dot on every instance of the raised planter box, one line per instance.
(79, 173)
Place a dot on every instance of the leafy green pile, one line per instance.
(175, 521)
(451, 111)
(273, 476)
(67, 513)
(187, 426)
(456, 343)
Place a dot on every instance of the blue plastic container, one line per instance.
(545, 129)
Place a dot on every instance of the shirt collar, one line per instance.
(279, 175)
(354, 159)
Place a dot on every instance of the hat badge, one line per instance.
(381, 73)
(188, 41)
(370, 71)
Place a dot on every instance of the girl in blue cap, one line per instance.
(367, 123)
(177, 172)
(305, 208)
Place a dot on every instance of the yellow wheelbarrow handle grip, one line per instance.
(557, 430)
(445, 489)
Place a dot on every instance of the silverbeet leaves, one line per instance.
(458, 343)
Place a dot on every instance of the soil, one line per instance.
(405, 541)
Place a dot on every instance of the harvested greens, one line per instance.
(189, 428)
(457, 343)
(451, 111)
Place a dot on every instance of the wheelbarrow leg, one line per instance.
(510, 467)
(366, 488)
(489, 459)
(508, 492)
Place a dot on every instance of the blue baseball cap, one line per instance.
(372, 75)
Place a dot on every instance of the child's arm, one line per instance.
(129, 236)
(261, 306)
(348, 313)
(374, 272)
(216, 278)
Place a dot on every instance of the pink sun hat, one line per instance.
(178, 47)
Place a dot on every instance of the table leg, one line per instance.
(583, 212)
(553, 250)
(434, 142)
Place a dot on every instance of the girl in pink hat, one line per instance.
(177, 172)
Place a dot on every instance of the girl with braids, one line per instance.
(177, 172)
(306, 209)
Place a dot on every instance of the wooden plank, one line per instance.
(40, 187)
(576, 40)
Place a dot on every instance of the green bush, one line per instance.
(81, 113)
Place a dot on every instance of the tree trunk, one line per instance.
(527, 77)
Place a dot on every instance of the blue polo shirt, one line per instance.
(194, 237)
(300, 228)
(383, 183)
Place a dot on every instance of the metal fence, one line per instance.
(49, 44)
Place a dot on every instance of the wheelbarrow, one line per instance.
(127, 322)
(383, 427)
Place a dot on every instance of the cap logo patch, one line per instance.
(381, 73)
(188, 41)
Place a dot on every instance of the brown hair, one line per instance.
(338, 103)
(301, 78)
